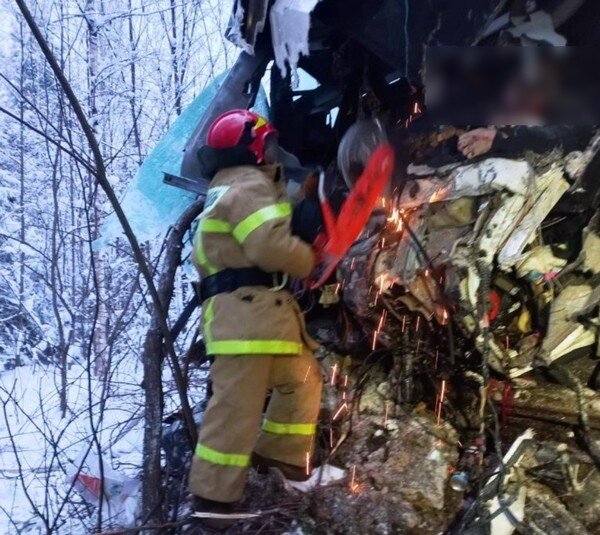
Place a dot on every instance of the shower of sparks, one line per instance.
(307, 372)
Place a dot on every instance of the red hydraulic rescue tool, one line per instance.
(340, 234)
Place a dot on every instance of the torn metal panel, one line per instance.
(591, 246)
(547, 190)
(247, 22)
(499, 226)
(565, 333)
(481, 178)
(290, 23)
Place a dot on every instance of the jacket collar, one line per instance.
(274, 172)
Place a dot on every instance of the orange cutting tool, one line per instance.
(342, 232)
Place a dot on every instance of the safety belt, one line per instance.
(231, 279)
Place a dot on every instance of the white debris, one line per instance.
(290, 23)
(320, 477)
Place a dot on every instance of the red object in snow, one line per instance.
(355, 212)
(91, 484)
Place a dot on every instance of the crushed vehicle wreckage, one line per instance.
(469, 305)
(493, 316)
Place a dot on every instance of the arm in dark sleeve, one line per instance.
(517, 140)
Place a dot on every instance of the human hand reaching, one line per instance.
(477, 142)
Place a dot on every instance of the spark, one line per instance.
(437, 356)
(418, 324)
(385, 416)
(382, 243)
(339, 411)
(345, 381)
(307, 463)
(334, 371)
(352, 263)
(441, 402)
(507, 342)
(352, 483)
(331, 438)
(337, 288)
(307, 372)
(375, 335)
(444, 317)
(403, 322)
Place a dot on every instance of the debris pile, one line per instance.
(478, 291)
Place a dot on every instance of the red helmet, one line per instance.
(228, 130)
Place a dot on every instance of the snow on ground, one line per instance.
(41, 446)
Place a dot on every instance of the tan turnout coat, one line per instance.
(246, 222)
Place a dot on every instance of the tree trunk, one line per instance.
(100, 332)
(153, 357)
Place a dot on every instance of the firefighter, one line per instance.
(253, 327)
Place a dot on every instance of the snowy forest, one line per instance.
(75, 315)
(395, 206)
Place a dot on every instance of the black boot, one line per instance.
(226, 514)
(293, 473)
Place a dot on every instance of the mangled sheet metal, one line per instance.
(290, 23)
(248, 20)
(457, 231)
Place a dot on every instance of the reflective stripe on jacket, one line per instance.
(246, 222)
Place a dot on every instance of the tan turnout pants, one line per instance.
(231, 428)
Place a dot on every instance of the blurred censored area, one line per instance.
(512, 85)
